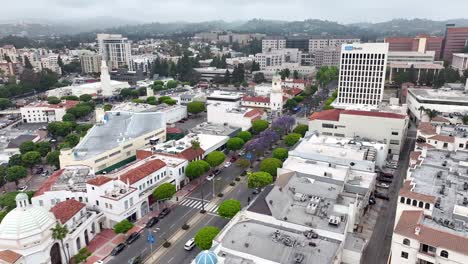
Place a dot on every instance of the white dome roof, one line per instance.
(26, 220)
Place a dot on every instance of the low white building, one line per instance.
(442, 136)
(277, 57)
(172, 113)
(444, 100)
(116, 140)
(238, 117)
(43, 112)
(389, 128)
(460, 61)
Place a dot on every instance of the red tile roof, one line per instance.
(142, 171)
(143, 154)
(424, 145)
(293, 91)
(9, 256)
(443, 138)
(254, 113)
(65, 210)
(67, 104)
(330, 115)
(440, 119)
(414, 155)
(410, 219)
(407, 192)
(373, 114)
(259, 99)
(191, 154)
(426, 128)
(47, 185)
(99, 180)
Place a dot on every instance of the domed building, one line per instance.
(26, 231)
(206, 257)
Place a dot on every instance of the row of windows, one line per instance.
(419, 204)
(367, 102)
(363, 56)
(359, 72)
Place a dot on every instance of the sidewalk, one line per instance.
(101, 245)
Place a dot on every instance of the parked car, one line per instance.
(153, 220)
(190, 244)
(381, 196)
(384, 179)
(227, 164)
(241, 153)
(132, 238)
(372, 200)
(164, 212)
(216, 172)
(119, 248)
(256, 191)
(22, 188)
(233, 159)
(39, 170)
(386, 175)
(383, 185)
(210, 177)
(99, 262)
(45, 174)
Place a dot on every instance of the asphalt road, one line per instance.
(178, 216)
(378, 249)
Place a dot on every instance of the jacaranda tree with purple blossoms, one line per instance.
(283, 124)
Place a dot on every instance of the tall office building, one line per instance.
(90, 62)
(115, 50)
(456, 39)
(362, 73)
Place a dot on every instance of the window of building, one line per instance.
(97, 202)
(415, 202)
(324, 125)
(131, 201)
(395, 133)
(394, 142)
(402, 199)
(41, 203)
(427, 206)
(461, 146)
(404, 255)
(445, 145)
(421, 204)
(126, 205)
(408, 201)
(444, 254)
(406, 242)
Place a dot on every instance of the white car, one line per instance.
(99, 262)
(210, 177)
(227, 164)
(383, 185)
(190, 244)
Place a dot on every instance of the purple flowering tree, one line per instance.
(269, 136)
(283, 124)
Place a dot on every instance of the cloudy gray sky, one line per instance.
(344, 11)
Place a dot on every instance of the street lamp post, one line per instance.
(202, 200)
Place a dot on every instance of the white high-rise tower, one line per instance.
(276, 96)
(362, 74)
(105, 80)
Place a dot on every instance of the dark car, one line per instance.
(132, 238)
(39, 170)
(386, 175)
(256, 191)
(164, 212)
(384, 179)
(152, 222)
(119, 248)
(381, 196)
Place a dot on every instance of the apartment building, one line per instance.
(8, 51)
(362, 74)
(90, 62)
(277, 57)
(421, 43)
(455, 40)
(327, 56)
(50, 61)
(388, 128)
(43, 112)
(115, 50)
(432, 209)
(460, 61)
(271, 44)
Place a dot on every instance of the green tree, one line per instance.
(60, 129)
(196, 168)
(215, 158)
(164, 191)
(53, 100)
(31, 158)
(244, 135)
(60, 232)
(72, 140)
(229, 208)
(195, 107)
(138, 101)
(280, 153)
(301, 129)
(295, 74)
(431, 113)
(68, 117)
(163, 98)
(43, 147)
(86, 98)
(82, 256)
(171, 84)
(259, 179)
(107, 107)
(259, 77)
(151, 100)
(235, 144)
(259, 125)
(15, 173)
(53, 158)
(70, 97)
(170, 101)
(158, 82)
(290, 104)
(271, 165)
(465, 119)
(195, 144)
(27, 63)
(5, 103)
(292, 139)
(15, 160)
(123, 226)
(243, 163)
(227, 77)
(27, 146)
(298, 98)
(204, 237)
(158, 87)
(285, 73)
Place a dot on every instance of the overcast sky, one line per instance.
(343, 11)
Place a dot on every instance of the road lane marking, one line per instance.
(171, 259)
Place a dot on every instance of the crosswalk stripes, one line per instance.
(197, 204)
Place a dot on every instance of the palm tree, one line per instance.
(59, 232)
(421, 110)
(431, 113)
(195, 144)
